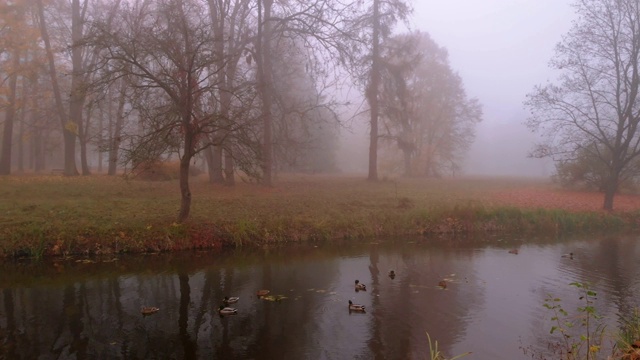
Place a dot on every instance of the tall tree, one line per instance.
(69, 128)
(116, 133)
(595, 106)
(165, 49)
(425, 109)
(263, 52)
(372, 93)
(78, 84)
(382, 17)
(17, 38)
(7, 133)
(330, 27)
(231, 39)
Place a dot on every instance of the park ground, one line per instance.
(100, 215)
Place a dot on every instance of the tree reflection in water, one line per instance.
(68, 309)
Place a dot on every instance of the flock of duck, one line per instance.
(566, 256)
(225, 309)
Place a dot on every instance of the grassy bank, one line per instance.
(53, 215)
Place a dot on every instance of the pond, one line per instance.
(492, 306)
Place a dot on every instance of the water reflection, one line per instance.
(492, 305)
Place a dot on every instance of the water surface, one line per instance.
(90, 308)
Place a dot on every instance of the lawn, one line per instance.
(55, 215)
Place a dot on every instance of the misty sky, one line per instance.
(501, 49)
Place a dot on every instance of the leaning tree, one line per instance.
(594, 107)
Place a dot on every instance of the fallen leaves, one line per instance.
(562, 199)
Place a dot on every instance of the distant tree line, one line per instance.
(248, 87)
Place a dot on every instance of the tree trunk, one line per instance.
(21, 133)
(68, 129)
(213, 154)
(372, 94)
(117, 131)
(100, 138)
(38, 152)
(265, 77)
(190, 132)
(78, 91)
(229, 178)
(185, 192)
(7, 134)
(610, 191)
(225, 69)
(37, 138)
(407, 162)
(83, 137)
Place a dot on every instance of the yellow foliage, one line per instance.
(72, 127)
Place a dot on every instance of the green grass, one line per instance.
(52, 215)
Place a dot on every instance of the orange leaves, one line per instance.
(561, 199)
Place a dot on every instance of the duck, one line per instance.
(442, 284)
(355, 307)
(230, 300)
(392, 274)
(568, 256)
(262, 293)
(148, 310)
(222, 310)
(513, 251)
(360, 286)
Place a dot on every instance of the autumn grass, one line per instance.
(53, 215)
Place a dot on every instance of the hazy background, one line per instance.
(501, 49)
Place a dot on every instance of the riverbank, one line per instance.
(58, 216)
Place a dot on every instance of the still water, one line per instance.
(492, 305)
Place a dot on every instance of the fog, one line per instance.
(501, 49)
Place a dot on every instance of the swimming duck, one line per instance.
(360, 286)
(513, 251)
(392, 274)
(222, 310)
(442, 284)
(355, 307)
(148, 310)
(261, 293)
(569, 255)
(230, 300)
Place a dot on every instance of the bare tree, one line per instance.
(263, 52)
(231, 39)
(165, 49)
(332, 28)
(595, 107)
(69, 128)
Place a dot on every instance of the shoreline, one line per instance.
(98, 215)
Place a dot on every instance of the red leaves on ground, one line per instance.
(562, 199)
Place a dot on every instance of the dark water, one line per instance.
(492, 305)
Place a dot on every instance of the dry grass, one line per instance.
(99, 214)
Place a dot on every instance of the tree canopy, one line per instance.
(426, 112)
